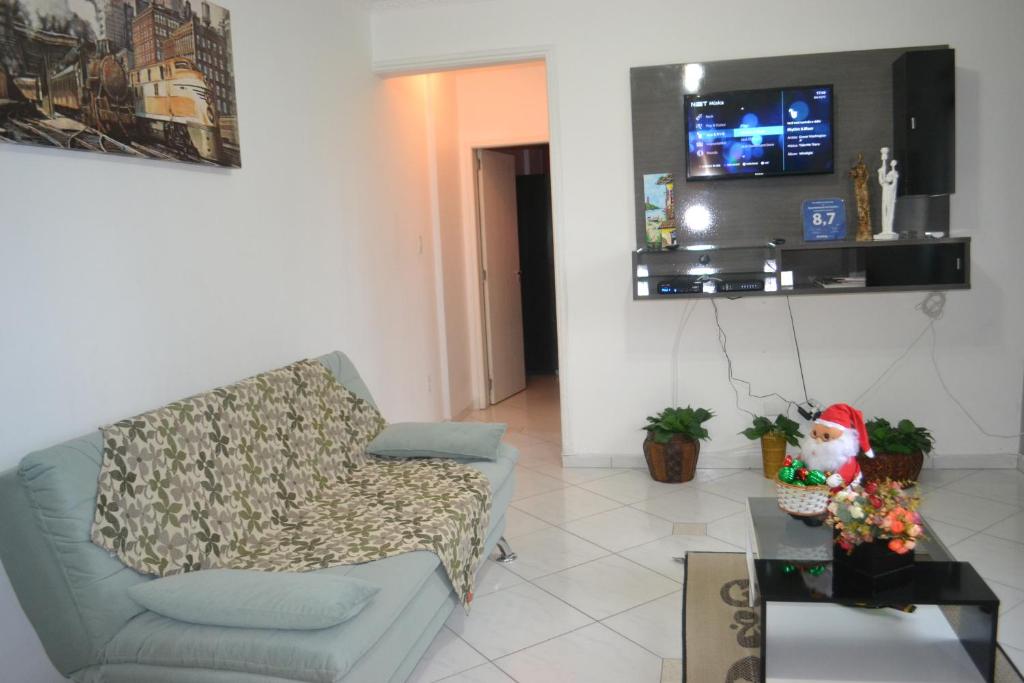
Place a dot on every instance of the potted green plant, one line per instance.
(774, 436)
(899, 450)
(673, 442)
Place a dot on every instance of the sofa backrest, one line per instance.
(74, 592)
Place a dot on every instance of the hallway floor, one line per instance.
(595, 595)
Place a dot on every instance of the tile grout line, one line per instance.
(973, 495)
(494, 662)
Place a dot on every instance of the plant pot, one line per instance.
(773, 452)
(904, 467)
(873, 567)
(672, 462)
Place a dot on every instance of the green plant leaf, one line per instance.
(686, 421)
(751, 433)
(905, 438)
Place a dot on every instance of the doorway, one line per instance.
(501, 110)
(517, 279)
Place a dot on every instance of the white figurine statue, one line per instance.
(889, 180)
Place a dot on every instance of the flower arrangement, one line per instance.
(876, 511)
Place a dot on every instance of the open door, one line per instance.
(499, 244)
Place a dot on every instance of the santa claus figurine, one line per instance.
(832, 445)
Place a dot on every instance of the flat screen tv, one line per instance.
(753, 133)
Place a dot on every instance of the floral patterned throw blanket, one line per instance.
(271, 474)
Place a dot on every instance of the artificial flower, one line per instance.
(880, 511)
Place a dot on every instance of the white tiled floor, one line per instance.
(596, 595)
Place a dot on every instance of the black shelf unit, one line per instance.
(888, 266)
(924, 121)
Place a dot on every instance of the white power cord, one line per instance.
(933, 307)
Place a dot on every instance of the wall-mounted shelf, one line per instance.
(814, 268)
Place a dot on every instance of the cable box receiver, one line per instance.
(741, 285)
(681, 285)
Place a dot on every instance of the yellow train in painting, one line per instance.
(173, 104)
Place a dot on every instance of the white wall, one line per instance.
(489, 107)
(125, 285)
(616, 355)
(455, 283)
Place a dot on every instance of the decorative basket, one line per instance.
(896, 466)
(673, 462)
(802, 501)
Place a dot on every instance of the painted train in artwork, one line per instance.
(149, 79)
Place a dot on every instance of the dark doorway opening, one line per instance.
(536, 257)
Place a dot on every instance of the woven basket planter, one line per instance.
(802, 501)
(902, 467)
(773, 452)
(673, 462)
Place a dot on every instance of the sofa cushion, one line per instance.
(320, 656)
(473, 440)
(316, 656)
(247, 599)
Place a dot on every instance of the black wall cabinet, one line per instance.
(924, 121)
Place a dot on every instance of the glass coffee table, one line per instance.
(901, 634)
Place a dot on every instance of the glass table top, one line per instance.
(774, 535)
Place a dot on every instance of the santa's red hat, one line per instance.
(842, 416)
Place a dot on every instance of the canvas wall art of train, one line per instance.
(143, 78)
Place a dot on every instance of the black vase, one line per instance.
(872, 567)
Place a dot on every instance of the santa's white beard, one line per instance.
(829, 456)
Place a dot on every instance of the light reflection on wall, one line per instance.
(697, 218)
(693, 77)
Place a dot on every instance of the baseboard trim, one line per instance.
(740, 459)
(463, 414)
(981, 461)
(748, 459)
(586, 461)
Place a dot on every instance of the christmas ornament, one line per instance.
(833, 442)
(786, 474)
(788, 461)
(802, 473)
(797, 464)
(816, 478)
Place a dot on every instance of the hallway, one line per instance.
(533, 416)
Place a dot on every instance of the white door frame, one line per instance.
(467, 60)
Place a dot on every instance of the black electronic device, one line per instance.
(749, 133)
(744, 285)
(681, 285)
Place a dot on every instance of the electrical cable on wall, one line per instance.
(933, 307)
(799, 358)
(723, 342)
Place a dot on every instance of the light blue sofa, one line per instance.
(75, 593)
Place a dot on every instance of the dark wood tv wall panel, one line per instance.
(757, 209)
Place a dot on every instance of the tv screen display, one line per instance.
(748, 133)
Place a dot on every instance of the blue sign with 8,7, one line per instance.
(824, 219)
